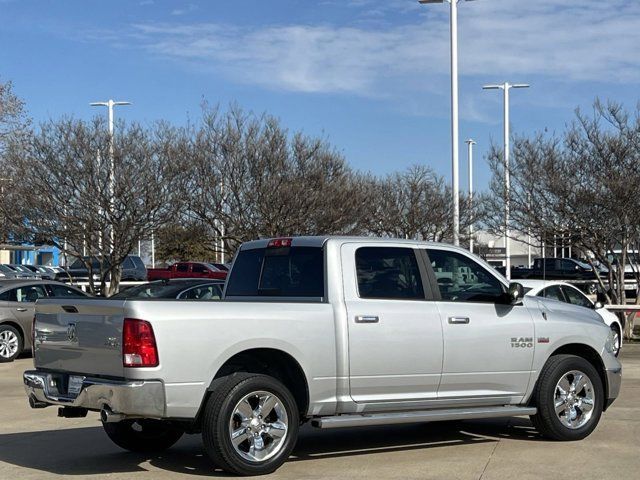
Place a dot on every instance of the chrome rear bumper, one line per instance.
(130, 398)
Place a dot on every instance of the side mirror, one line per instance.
(598, 305)
(601, 298)
(515, 293)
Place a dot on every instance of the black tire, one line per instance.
(9, 334)
(219, 413)
(143, 435)
(616, 329)
(546, 421)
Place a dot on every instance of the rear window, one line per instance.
(278, 272)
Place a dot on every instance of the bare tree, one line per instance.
(251, 179)
(60, 191)
(417, 204)
(580, 186)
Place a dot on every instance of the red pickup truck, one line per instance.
(186, 270)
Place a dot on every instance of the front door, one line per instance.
(395, 335)
(488, 345)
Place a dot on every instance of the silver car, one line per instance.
(17, 308)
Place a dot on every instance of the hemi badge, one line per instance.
(543, 339)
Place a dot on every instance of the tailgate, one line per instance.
(80, 336)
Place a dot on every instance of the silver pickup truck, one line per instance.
(335, 331)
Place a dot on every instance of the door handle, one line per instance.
(21, 309)
(458, 320)
(367, 319)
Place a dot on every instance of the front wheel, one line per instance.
(250, 424)
(569, 398)
(143, 435)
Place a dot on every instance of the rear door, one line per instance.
(488, 345)
(395, 335)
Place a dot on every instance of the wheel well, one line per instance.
(272, 362)
(590, 355)
(17, 327)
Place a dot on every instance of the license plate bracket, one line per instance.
(75, 384)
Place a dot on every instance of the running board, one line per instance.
(366, 419)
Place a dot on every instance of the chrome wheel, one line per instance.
(8, 344)
(258, 426)
(574, 399)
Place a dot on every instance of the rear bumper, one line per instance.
(614, 381)
(141, 398)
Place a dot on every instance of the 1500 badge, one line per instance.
(522, 342)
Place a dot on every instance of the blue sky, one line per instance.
(372, 76)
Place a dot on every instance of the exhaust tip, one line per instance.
(107, 416)
(34, 403)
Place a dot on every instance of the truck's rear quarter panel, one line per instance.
(195, 339)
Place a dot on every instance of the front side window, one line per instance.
(199, 268)
(576, 297)
(388, 273)
(553, 292)
(128, 264)
(461, 279)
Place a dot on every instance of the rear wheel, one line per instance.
(569, 398)
(250, 424)
(143, 435)
(10, 343)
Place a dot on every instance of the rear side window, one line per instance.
(182, 267)
(278, 272)
(128, 264)
(388, 273)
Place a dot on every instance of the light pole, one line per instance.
(470, 143)
(454, 114)
(112, 175)
(505, 87)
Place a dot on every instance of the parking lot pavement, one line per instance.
(35, 444)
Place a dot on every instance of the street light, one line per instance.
(470, 143)
(112, 180)
(505, 87)
(454, 114)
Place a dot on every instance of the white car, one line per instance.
(567, 293)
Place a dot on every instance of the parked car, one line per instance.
(186, 270)
(180, 289)
(7, 272)
(17, 301)
(564, 269)
(26, 272)
(133, 269)
(334, 331)
(40, 271)
(565, 292)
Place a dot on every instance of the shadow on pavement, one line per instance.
(88, 451)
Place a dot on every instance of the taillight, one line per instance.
(138, 344)
(279, 242)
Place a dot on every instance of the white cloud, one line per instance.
(577, 41)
